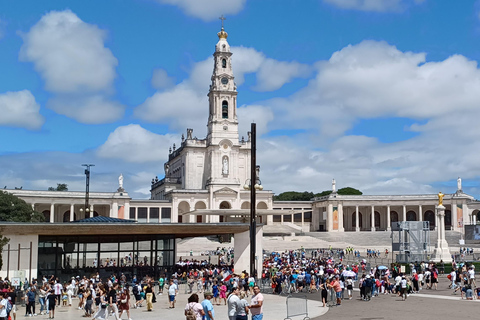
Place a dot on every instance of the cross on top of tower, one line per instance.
(223, 19)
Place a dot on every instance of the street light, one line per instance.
(254, 169)
(87, 188)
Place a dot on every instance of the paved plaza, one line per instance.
(429, 304)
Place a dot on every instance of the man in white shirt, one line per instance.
(471, 277)
(58, 290)
(453, 278)
(3, 306)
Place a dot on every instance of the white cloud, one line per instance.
(207, 10)
(95, 109)
(186, 104)
(161, 80)
(69, 53)
(19, 109)
(253, 113)
(372, 5)
(132, 143)
(71, 57)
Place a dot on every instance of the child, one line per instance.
(223, 292)
(52, 301)
(64, 297)
(215, 293)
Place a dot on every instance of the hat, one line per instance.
(208, 293)
(368, 276)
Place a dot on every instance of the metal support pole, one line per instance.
(19, 248)
(8, 261)
(87, 187)
(253, 179)
(30, 265)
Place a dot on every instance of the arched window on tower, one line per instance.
(224, 63)
(225, 109)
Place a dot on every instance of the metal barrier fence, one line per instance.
(297, 306)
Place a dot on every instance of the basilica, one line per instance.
(204, 182)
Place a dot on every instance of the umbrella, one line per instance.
(382, 268)
(330, 271)
(349, 273)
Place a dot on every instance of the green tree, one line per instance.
(60, 187)
(294, 196)
(348, 191)
(307, 196)
(3, 242)
(14, 209)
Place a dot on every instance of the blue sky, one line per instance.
(382, 95)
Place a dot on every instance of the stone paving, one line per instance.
(274, 308)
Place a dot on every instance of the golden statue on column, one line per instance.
(440, 198)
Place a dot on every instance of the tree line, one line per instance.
(307, 196)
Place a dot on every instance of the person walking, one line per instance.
(112, 302)
(208, 306)
(149, 296)
(232, 301)
(256, 304)
(403, 285)
(172, 292)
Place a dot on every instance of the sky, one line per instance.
(381, 95)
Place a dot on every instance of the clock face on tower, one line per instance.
(224, 80)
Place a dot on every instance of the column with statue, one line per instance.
(441, 251)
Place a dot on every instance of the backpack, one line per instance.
(135, 290)
(9, 307)
(191, 314)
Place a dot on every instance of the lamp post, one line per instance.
(87, 188)
(255, 184)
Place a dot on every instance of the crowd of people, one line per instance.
(321, 271)
(324, 271)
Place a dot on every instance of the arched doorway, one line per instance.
(183, 207)
(430, 217)
(476, 213)
(394, 216)
(66, 216)
(245, 205)
(225, 205)
(200, 205)
(411, 216)
(262, 206)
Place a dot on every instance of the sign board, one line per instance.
(402, 269)
(16, 282)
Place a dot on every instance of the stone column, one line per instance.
(373, 219)
(441, 251)
(357, 226)
(420, 213)
(72, 211)
(91, 211)
(330, 217)
(404, 213)
(33, 206)
(340, 218)
(52, 213)
(148, 214)
(389, 222)
(453, 208)
(136, 213)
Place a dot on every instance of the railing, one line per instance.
(297, 306)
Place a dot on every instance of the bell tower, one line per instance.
(222, 96)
